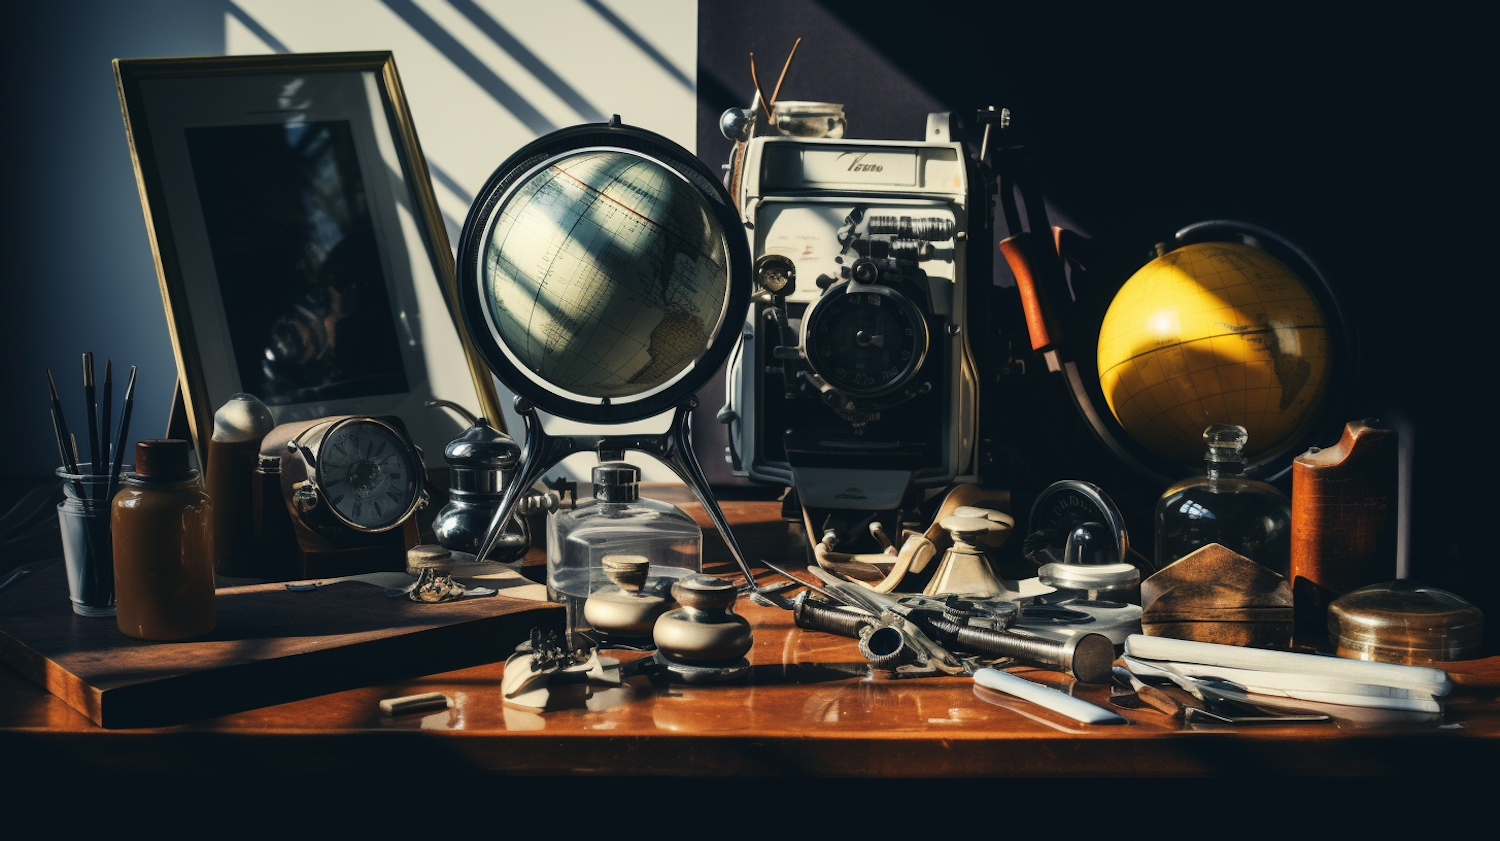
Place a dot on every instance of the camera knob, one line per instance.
(865, 271)
(734, 124)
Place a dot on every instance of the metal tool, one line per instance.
(896, 631)
(1220, 707)
(888, 639)
(1131, 692)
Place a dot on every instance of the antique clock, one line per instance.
(345, 491)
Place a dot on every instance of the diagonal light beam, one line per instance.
(641, 43)
(527, 59)
(471, 65)
(256, 27)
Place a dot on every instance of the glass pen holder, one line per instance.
(88, 548)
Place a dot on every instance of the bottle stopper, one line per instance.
(624, 610)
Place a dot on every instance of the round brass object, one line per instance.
(1404, 622)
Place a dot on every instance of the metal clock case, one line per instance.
(1077, 535)
(350, 486)
(1075, 522)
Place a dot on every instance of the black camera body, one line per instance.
(855, 382)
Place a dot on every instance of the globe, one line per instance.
(1213, 333)
(604, 274)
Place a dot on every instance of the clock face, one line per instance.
(368, 473)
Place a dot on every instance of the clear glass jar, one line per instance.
(617, 521)
(1244, 515)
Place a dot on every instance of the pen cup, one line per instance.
(87, 548)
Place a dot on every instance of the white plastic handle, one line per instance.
(1046, 697)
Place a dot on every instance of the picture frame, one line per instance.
(299, 247)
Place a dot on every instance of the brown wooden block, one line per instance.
(270, 645)
(1215, 594)
(1343, 520)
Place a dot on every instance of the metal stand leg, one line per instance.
(672, 448)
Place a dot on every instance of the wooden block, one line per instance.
(1217, 595)
(270, 645)
(1343, 520)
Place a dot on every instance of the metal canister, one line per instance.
(482, 463)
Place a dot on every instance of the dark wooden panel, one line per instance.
(270, 645)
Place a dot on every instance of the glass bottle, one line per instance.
(163, 546)
(618, 521)
(1244, 515)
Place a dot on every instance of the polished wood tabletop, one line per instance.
(808, 706)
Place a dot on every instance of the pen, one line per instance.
(92, 409)
(104, 416)
(60, 426)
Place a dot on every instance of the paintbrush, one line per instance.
(104, 412)
(123, 433)
(60, 426)
(92, 409)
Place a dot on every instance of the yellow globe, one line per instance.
(1212, 333)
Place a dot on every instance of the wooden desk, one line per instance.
(808, 708)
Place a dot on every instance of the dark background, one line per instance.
(1364, 134)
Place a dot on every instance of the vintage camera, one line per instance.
(854, 381)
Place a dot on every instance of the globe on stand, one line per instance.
(603, 275)
(1214, 333)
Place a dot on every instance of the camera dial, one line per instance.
(864, 340)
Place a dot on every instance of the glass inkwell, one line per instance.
(603, 276)
(612, 560)
(1244, 515)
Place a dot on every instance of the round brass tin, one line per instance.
(1404, 622)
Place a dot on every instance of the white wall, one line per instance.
(482, 77)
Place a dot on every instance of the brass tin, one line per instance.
(1405, 622)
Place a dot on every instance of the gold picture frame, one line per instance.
(298, 243)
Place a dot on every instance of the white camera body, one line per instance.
(856, 383)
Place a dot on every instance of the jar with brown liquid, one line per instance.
(164, 562)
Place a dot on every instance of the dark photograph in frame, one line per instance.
(300, 251)
(297, 261)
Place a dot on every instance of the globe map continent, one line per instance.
(605, 275)
(1213, 333)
